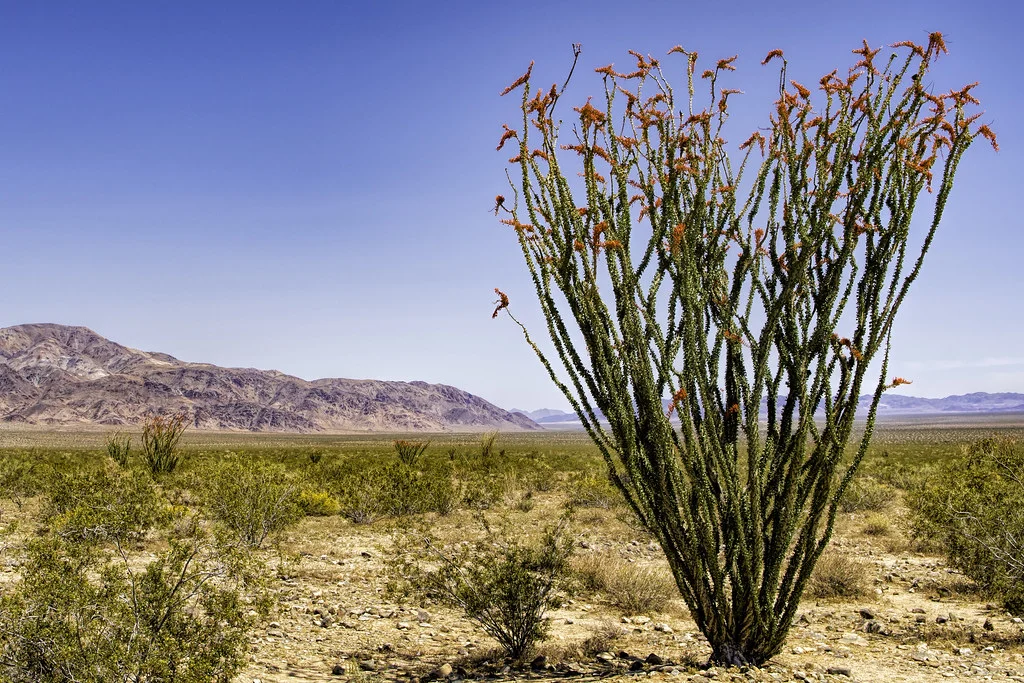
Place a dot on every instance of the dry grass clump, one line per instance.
(633, 588)
(838, 576)
(877, 524)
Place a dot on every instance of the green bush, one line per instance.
(253, 500)
(80, 614)
(103, 506)
(506, 586)
(973, 508)
(160, 437)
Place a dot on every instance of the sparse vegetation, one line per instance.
(252, 500)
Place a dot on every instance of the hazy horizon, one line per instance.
(308, 188)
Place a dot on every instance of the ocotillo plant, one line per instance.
(714, 320)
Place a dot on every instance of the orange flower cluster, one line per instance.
(519, 81)
(502, 302)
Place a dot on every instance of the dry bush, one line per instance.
(633, 588)
(866, 494)
(877, 524)
(838, 576)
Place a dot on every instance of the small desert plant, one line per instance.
(315, 457)
(973, 508)
(119, 448)
(506, 586)
(253, 500)
(410, 451)
(160, 437)
(838, 576)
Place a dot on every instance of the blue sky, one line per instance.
(307, 186)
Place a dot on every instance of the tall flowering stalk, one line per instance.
(714, 321)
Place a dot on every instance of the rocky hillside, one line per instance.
(63, 376)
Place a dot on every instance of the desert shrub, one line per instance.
(877, 524)
(318, 503)
(410, 451)
(160, 437)
(119, 449)
(397, 490)
(481, 492)
(973, 508)
(20, 479)
(633, 588)
(80, 614)
(362, 496)
(837, 576)
(506, 586)
(252, 500)
(866, 494)
(120, 506)
(593, 491)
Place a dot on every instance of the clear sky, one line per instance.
(306, 186)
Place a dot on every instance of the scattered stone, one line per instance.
(368, 665)
(839, 671)
(654, 660)
(636, 665)
(941, 619)
(338, 670)
(872, 627)
(403, 626)
(539, 663)
(443, 671)
(605, 656)
(326, 621)
(663, 628)
(853, 639)
(988, 625)
(422, 615)
(867, 614)
(641, 619)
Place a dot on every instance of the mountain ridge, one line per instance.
(977, 403)
(62, 376)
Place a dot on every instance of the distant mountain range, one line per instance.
(891, 405)
(60, 376)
